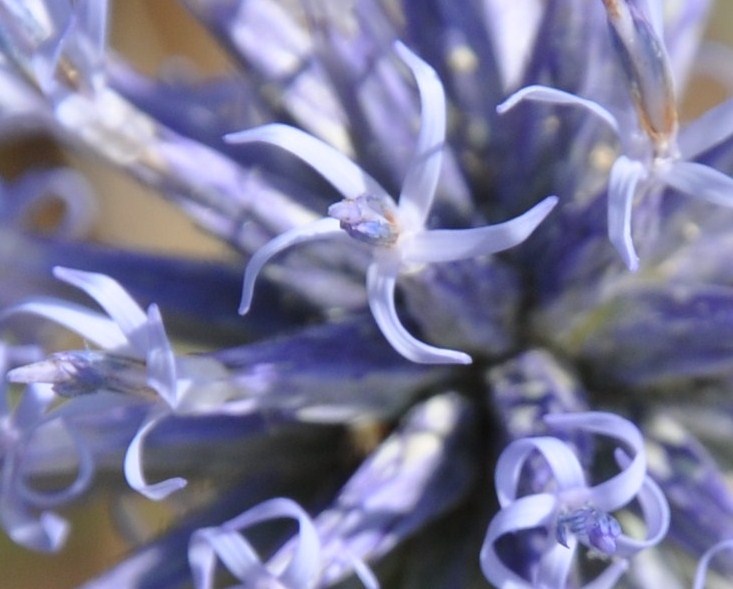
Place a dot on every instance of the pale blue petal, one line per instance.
(702, 567)
(64, 184)
(160, 360)
(534, 511)
(559, 97)
(622, 186)
(30, 407)
(320, 229)
(555, 563)
(655, 512)
(241, 559)
(134, 462)
(619, 490)
(90, 325)
(348, 178)
(421, 180)
(85, 473)
(381, 291)
(700, 181)
(448, 245)
(46, 533)
(566, 470)
(118, 304)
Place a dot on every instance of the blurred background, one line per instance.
(160, 38)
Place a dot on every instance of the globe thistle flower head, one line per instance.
(295, 448)
(397, 231)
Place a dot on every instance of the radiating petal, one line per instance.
(118, 304)
(555, 564)
(64, 184)
(134, 462)
(348, 178)
(526, 513)
(622, 184)
(447, 245)
(241, 559)
(90, 325)
(702, 567)
(560, 97)
(323, 228)
(45, 533)
(84, 475)
(655, 511)
(418, 189)
(566, 470)
(619, 490)
(700, 181)
(381, 291)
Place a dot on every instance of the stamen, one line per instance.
(368, 218)
(593, 527)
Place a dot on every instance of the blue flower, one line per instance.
(571, 510)
(396, 232)
(654, 154)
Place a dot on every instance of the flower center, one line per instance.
(369, 218)
(593, 527)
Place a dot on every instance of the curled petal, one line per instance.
(90, 325)
(560, 97)
(621, 489)
(525, 513)
(65, 184)
(702, 567)
(554, 566)
(134, 462)
(448, 245)
(700, 181)
(348, 178)
(622, 185)
(418, 189)
(118, 304)
(566, 469)
(85, 473)
(320, 229)
(241, 559)
(655, 511)
(381, 289)
(46, 533)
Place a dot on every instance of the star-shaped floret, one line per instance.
(396, 231)
(655, 155)
(571, 510)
